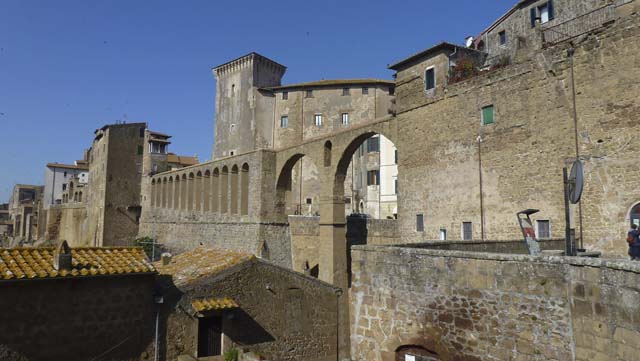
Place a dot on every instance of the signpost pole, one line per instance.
(567, 215)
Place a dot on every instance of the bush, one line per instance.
(465, 68)
(231, 354)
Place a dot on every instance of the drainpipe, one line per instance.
(158, 300)
(481, 187)
(338, 293)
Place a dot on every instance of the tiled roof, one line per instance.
(182, 160)
(201, 262)
(31, 263)
(83, 166)
(213, 304)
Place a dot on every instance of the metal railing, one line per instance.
(580, 25)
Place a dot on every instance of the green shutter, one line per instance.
(487, 115)
(140, 149)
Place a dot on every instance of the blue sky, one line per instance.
(68, 67)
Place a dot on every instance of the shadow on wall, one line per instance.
(356, 235)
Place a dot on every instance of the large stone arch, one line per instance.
(283, 187)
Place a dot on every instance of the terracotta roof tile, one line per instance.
(201, 262)
(213, 304)
(29, 263)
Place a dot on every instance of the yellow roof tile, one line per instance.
(19, 263)
(212, 304)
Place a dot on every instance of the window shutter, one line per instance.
(533, 17)
(487, 115)
(551, 10)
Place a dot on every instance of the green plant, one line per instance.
(147, 245)
(231, 354)
(465, 68)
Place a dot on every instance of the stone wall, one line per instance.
(531, 140)
(78, 319)
(513, 247)
(67, 222)
(481, 306)
(282, 316)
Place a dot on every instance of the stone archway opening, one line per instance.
(415, 353)
(634, 215)
(298, 189)
(367, 177)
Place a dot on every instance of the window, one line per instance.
(285, 95)
(419, 222)
(345, 91)
(487, 115)
(209, 336)
(544, 12)
(141, 132)
(467, 231)
(309, 94)
(430, 79)
(365, 90)
(284, 121)
(395, 185)
(544, 231)
(443, 234)
(395, 156)
(503, 37)
(317, 118)
(309, 201)
(64, 186)
(373, 144)
(373, 178)
(140, 150)
(345, 118)
(65, 174)
(392, 91)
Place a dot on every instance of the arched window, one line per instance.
(79, 196)
(327, 153)
(244, 189)
(234, 189)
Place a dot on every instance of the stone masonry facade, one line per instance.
(490, 306)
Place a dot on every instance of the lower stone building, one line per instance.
(220, 302)
(76, 304)
(461, 301)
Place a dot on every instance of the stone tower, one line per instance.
(244, 113)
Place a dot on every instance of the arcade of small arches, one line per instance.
(77, 197)
(223, 190)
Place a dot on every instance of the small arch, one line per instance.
(234, 189)
(190, 191)
(183, 192)
(327, 153)
(79, 196)
(215, 190)
(224, 190)
(197, 195)
(244, 189)
(170, 189)
(206, 191)
(163, 197)
(153, 193)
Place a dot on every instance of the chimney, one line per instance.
(166, 258)
(62, 257)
